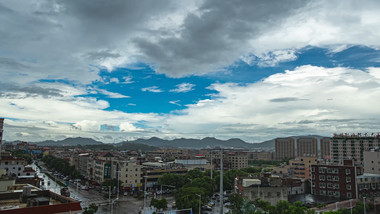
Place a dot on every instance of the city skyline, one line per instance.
(254, 70)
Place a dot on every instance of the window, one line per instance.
(349, 195)
(329, 178)
(278, 194)
(322, 192)
(348, 187)
(322, 185)
(321, 177)
(348, 179)
(348, 171)
(321, 170)
(313, 169)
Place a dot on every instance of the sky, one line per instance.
(250, 69)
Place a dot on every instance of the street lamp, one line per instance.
(200, 198)
(351, 205)
(365, 211)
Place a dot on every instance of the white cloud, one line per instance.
(332, 98)
(183, 88)
(153, 89)
(128, 127)
(112, 94)
(175, 102)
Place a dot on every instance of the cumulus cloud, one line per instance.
(282, 103)
(183, 88)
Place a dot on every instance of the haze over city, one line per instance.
(193, 69)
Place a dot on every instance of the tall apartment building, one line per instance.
(372, 161)
(284, 148)
(307, 147)
(325, 147)
(337, 180)
(232, 158)
(352, 146)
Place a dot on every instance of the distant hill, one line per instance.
(70, 142)
(135, 147)
(208, 142)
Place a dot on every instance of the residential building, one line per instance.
(335, 180)
(152, 174)
(272, 189)
(260, 155)
(325, 147)
(128, 172)
(283, 171)
(346, 146)
(368, 185)
(284, 148)
(13, 166)
(371, 161)
(190, 164)
(37, 201)
(301, 166)
(103, 164)
(307, 146)
(232, 158)
(83, 160)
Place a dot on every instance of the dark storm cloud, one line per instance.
(10, 91)
(101, 55)
(216, 37)
(286, 99)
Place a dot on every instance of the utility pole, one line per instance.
(221, 182)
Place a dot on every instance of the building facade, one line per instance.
(325, 148)
(301, 166)
(334, 180)
(271, 189)
(352, 146)
(371, 161)
(284, 148)
(307, 146)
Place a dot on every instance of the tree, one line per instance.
(92, 209)
(187, 197)
(203, 182)
(172, 179)
(159, 204)
(195, 173)
(237, 202)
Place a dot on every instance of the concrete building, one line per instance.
(301, 166)
(128, 172)
(37, 201)
(307, 146)
(335, 180)
(271, 189)
(346, 146)
(190, 164)
(260, 155)
(103, 164)
(325, 147)
(83, 160)
(284, 148)
(368, 185)
(13, 166)
(371, 160)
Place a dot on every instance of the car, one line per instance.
(125, 193)
(207, 208)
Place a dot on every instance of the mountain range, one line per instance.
(208, 142)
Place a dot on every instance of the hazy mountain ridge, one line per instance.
(208, 142)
